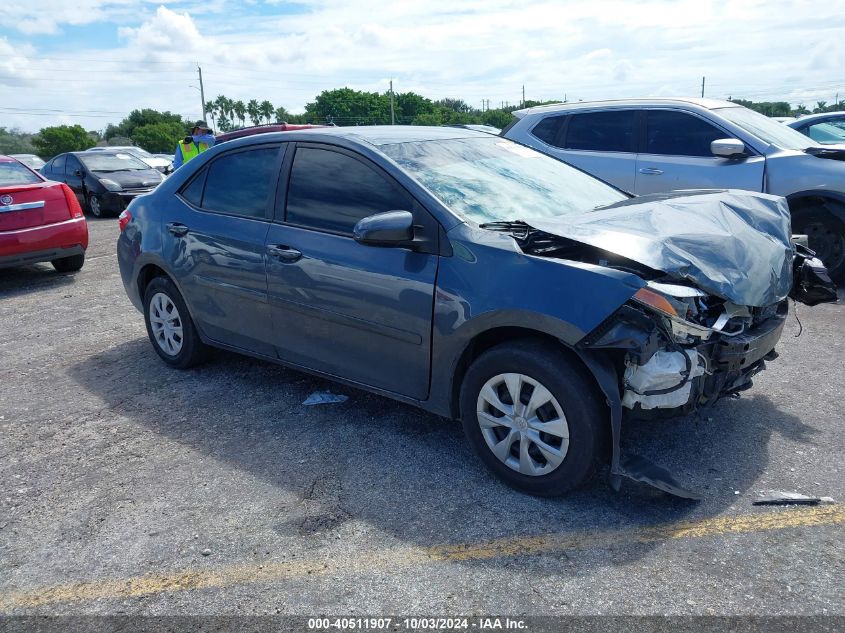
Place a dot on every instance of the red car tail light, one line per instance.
(123, 219)
(72, 202)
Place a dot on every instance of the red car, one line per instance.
(40, 220)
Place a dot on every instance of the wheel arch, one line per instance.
(489, 338)
(831, 201)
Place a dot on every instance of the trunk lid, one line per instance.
(27, 206)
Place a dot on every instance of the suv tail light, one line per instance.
(72, 202)
(123, 219)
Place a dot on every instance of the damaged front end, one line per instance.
(717, 267)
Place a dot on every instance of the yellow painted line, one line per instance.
(385, 560)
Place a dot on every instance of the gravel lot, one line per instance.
(127, 487)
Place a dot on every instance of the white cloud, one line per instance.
(473, 50)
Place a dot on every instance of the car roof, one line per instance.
(379, 134)
(708, 104)
(818, 116)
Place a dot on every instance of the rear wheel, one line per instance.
(69, 264)
(533, 417)
(94, 205)
(170, 327)
(826, 236)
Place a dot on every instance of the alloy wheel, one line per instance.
(166, 324)
(523, 424)
(94, 205)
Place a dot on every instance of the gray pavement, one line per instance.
(130, 488)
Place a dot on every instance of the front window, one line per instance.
(13, 173)
(766, 129)
(112, 162)
(493, 179)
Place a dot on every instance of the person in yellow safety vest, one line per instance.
(200, 140)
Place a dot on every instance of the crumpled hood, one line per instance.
(733, 244)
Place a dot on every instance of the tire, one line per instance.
(574, 394)
(94, 206)
(172, 332)
(826, 237)
(69, 264)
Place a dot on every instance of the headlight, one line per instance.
(111, 185)
(678, 304)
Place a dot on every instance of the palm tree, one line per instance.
(240, 111)
(211, 109)
(822, 106)
(281, 114)
(254, 111)
(267, 110)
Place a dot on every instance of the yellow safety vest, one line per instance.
(192, 150)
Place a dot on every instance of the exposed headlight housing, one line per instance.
(111, 185)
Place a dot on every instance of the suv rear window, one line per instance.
(548, 129)
(13, 173)
(609, 131)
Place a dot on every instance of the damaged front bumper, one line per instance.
(648, 368)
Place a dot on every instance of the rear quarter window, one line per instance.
(13, 173)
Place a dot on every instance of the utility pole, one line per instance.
(202, 91)
(702, 87)
(392, 114)
(523, 95)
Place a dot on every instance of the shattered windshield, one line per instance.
(493, 179)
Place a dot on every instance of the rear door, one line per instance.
(213, 237)
(74, 177)
(55, 169)
(676, 155)
(601, 143)
(359, 312)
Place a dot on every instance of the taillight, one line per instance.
(72, 202)
(123, 219)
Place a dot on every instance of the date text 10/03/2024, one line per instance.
(417, 623)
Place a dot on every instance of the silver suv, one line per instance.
(655, 145)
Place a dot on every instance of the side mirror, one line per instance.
(391, 228)
(728, 148)
(78, 173)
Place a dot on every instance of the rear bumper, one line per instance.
(43, 243)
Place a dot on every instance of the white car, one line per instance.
(164, 165)
(827, 128)
(648, 146)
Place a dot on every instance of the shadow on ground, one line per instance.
(410, 473)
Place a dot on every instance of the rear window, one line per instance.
(548, 129)
(13, 173)
(609, 131)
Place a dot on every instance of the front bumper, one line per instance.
(117, 201)
(43, 243)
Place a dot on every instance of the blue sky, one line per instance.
(92, 61)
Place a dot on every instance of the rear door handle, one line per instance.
(651, 171)
(284, 253)
(177, 229)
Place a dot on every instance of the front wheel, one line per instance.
(94, 205)
(826, 236)
(170, 327)
(534, 417)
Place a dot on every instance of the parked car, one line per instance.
(104, 182)
(827, 128)
(30, 160)
(263, 129)
(161, 162)
(489, 129)
(40, 220)
(654, 145)
(470, 276)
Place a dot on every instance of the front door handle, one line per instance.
(284, 253)
(177, 229)
(651, 171)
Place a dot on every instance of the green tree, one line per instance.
(801, 109)
(409, 105)
(345, 106)
(496, 118)
(13, 141)
(240, 111)
(254, 111)
(158, 137)
(267, 111)
(211, 110)
(61, 138)
(821, 106)
(282, 115)
(428, 118)
(138, 118)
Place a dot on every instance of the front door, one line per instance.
(359, 312)
(74, 177)
(676, 155)
(214, 235)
